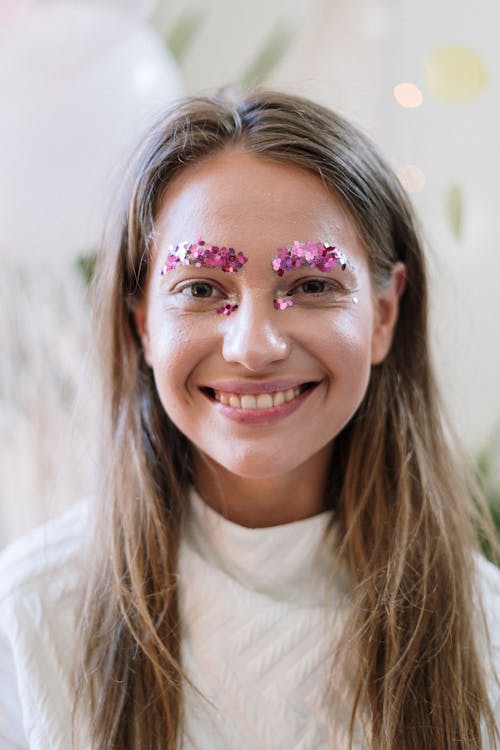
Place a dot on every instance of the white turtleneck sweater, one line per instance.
(259, 612)
(258, 609)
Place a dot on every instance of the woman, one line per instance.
(283, 553)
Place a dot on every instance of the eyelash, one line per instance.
(327, 286)
(192, 284)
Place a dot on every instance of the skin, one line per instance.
(272, 471)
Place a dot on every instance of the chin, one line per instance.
(254, 466)
(264, 466)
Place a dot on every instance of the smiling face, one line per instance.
(262, 389)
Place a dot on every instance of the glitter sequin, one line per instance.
(318, 255)
(201, 254)
(282, 303)
(226, 309)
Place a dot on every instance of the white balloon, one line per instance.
(78, 85)
(140, 9)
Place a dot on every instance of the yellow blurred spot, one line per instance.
(411, 177)
(455, 74)
(408, 95)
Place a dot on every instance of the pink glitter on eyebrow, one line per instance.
(318, 255)
(200, 253)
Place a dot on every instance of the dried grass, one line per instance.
(47, 392)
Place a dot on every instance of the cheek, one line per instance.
(344, 349)
(344, 340)
(176, 346)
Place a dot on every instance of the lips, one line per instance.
(258, 400)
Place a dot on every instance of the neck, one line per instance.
(261, 502)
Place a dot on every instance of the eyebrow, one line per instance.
(321, 255)
(202, 254)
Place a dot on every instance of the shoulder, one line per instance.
(46, 559)
(488, 589)
(40, 575)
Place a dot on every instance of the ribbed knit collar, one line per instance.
(291, 562)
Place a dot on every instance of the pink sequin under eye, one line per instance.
(201, 254)
(282, 303)
(318, 255)
(226, 309)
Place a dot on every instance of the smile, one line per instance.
(258, 401)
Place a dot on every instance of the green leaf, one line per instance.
(268, 57)
(180, 38)
(86, 265)
(488, 479)
(454, 209)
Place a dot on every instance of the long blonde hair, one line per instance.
(402, 507)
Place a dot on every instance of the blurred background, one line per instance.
(80, 80)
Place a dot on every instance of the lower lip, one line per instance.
(261, 416)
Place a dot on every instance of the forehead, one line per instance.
(253, 204)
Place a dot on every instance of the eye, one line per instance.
(313, 286)
(317, 291)
(200, 290)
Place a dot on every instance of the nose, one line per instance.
(255, 335)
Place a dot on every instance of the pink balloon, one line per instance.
(10, 10)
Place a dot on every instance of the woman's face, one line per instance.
(261, 391)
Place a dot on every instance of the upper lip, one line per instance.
(258, 386)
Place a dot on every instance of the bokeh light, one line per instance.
(411, 177)
(408, 95)
(455, 74)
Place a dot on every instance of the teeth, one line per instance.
(278, 398)
(259, 401)
(264, 401)
(248, 401)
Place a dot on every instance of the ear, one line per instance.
(386, 302)
(141, 324)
